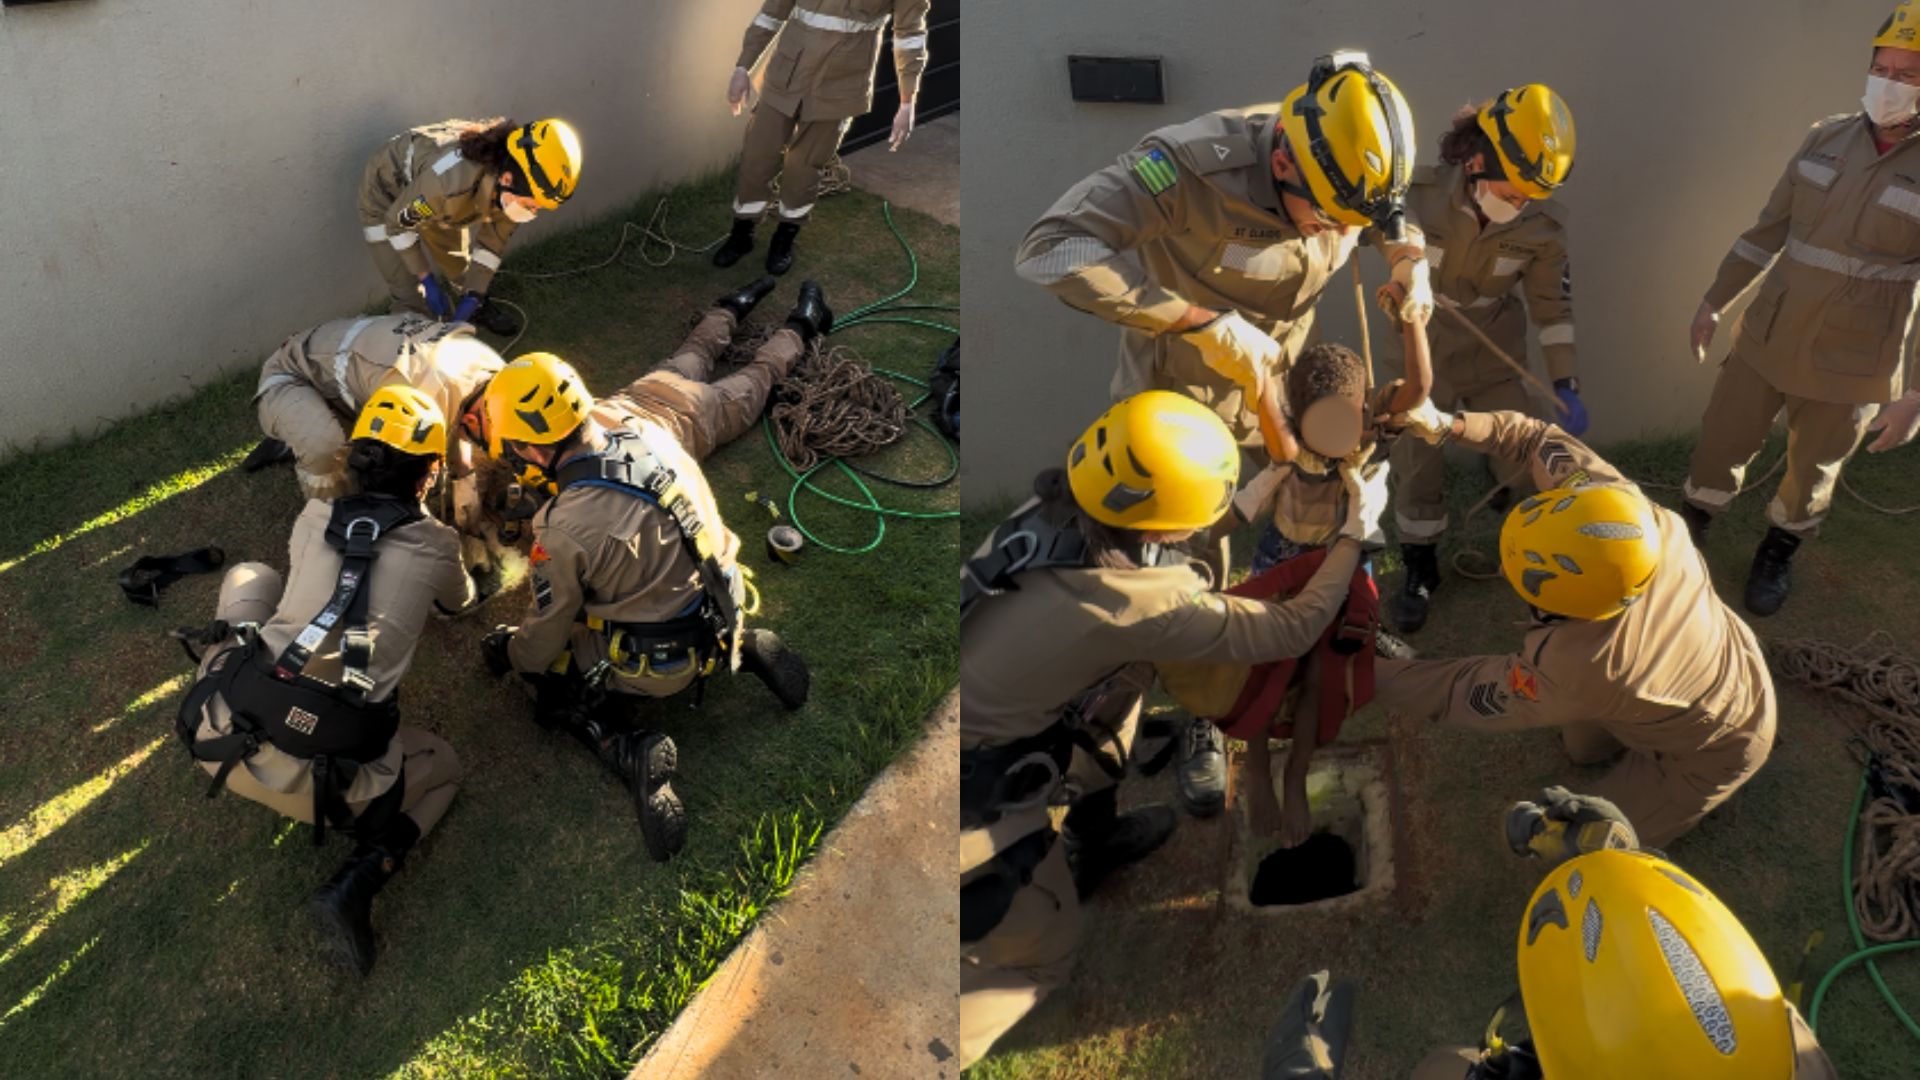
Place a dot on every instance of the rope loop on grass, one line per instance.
(1879, 679)
(834, 405)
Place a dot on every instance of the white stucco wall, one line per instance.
(1686, 114)
(177, 177)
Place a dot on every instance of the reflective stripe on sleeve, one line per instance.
(1859, 269)
(1063, 260)
(835, 23)
(766, 22)
(910, 44)
(1752, 252)
(401, 241)
(446, 162)
(342, 357)
(375, 234)
(1557, 334)
(486, 258)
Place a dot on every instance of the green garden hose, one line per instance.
(1862, 951)
(877, 312)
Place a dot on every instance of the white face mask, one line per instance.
(1888, 102)
(518, 213)
(1494, 208)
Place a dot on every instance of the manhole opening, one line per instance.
(1321, 868)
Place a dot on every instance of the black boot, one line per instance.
(1408, 608)
(810, 317)
(1100, 840)
(780, 249)
(764, 656)
(496, 319)
(269, 451)
(1772, 574)
(1697, 521)
(739, 242)
(648, 761)
(741, 301)
(342, 909)
(1201, 776)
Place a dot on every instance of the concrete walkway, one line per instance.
(922, 175)
(855, 973)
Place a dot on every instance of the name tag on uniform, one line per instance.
(1503, 266)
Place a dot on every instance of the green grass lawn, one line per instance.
(1172, 983)
(147, 931)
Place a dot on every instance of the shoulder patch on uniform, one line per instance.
(1487, 699)
(1155, 171)
(1217, 152)
(415, 212)
(1523, 683)
(542, 593)
(539, 555)
(1554, 455)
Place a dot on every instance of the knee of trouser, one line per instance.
(249, 593)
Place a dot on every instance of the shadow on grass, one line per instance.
(529, 935)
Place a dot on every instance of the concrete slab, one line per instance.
(922, 175)
(855, 973)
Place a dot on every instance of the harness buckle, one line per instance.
(369, 523)
(1017, 563)
(357, 679)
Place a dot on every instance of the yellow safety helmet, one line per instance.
(404, 418)
(1630, 967)
(1586, 551)
(548, 153)
(1351, 134)
(538, 399)
(1532, 132)
(1902, 28)
(1157, 460)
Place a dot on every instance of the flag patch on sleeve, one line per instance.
(1155, 171)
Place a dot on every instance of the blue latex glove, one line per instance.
(1574, 422)
(469, 304)
(437, 304)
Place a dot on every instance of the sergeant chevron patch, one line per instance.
(1487, 699)
(1555, 455)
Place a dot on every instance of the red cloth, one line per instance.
(1259, 703)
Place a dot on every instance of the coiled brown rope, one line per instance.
(832, 404)
(1878, 678)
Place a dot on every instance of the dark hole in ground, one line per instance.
(1319, 869)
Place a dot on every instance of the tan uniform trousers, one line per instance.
(431, 770)
(297, 415)
(1821, 436)
(447, 247)
(1420, 470)
(704, 413)
(792, 149)
(1665, 798)
(1005, 974)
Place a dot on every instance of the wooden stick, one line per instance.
(1453, 309)
(1366, 334)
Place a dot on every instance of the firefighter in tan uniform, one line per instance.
(1629, 646)
(636, 587)
(1210, 241)
(1060, 610)
(311, 389)
(819, 78)
(448, 196)
(1498, 248)
(295, 704)
(1628, 965)
(1828, 336)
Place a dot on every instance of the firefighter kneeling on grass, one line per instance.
(637, 589)
(296, 705)
(1062, 612)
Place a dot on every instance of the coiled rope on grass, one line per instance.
(834, 405)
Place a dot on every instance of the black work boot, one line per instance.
(1201, 776)
(810, 317)
(496, 318)
(780, 248)
(1697, 521)
(342, 909)
(741, 301)
(739, 242)
(767, 658)
(1772, 574)
(1100, 841)
(268, 451)
(648, 761)
(1408, 607)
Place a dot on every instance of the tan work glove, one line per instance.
(1366, 501)
(1237, 350)
(737, 88)
(1705, 321)
(1415, 279)
(902, 126)
(1425, 422)
(1896, 422)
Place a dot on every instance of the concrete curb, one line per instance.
(854, 973)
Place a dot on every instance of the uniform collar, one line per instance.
(1866, 132)
(1261, 189)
